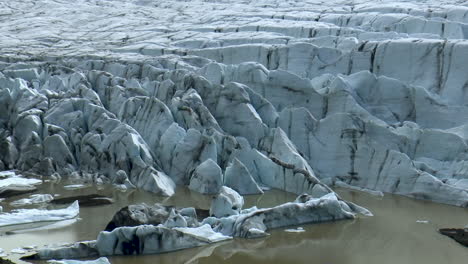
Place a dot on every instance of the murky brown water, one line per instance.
(391, 236)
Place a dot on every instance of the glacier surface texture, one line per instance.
(293, 95)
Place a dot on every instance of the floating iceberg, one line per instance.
(144, 229)
(28, 216)
(33, 199)
(297, 230)
(20, 251)
(306, 209)
(74, 186)
(102, 260)
(7, 174)
(43, 226)
(16, 183)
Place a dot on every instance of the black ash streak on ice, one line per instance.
(293, 97)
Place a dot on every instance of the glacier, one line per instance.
(245, 96)
(365, 94)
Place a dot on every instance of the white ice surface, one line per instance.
(33, 199)
(102, 260)
(18, 251)
(204, 232)
(18, 182)
(7, 174)
(74, 186)
(26, 216)
(297, 230)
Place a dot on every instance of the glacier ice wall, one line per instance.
(286, 94)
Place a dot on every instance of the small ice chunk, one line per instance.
(18, 251)
(297, 230)
(6, 174)
(33, 199)
(102, 260)
(256, 233)
(203, 232)
(422, 221)
(31, 247)
(74, 186)
(55, 177)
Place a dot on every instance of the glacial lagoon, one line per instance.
(402, 230)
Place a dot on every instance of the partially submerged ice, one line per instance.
(29, 216)
(33, 199)
(226, 203)
(12, 183)
(144, 229)
(253, 222)
(102, 260)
